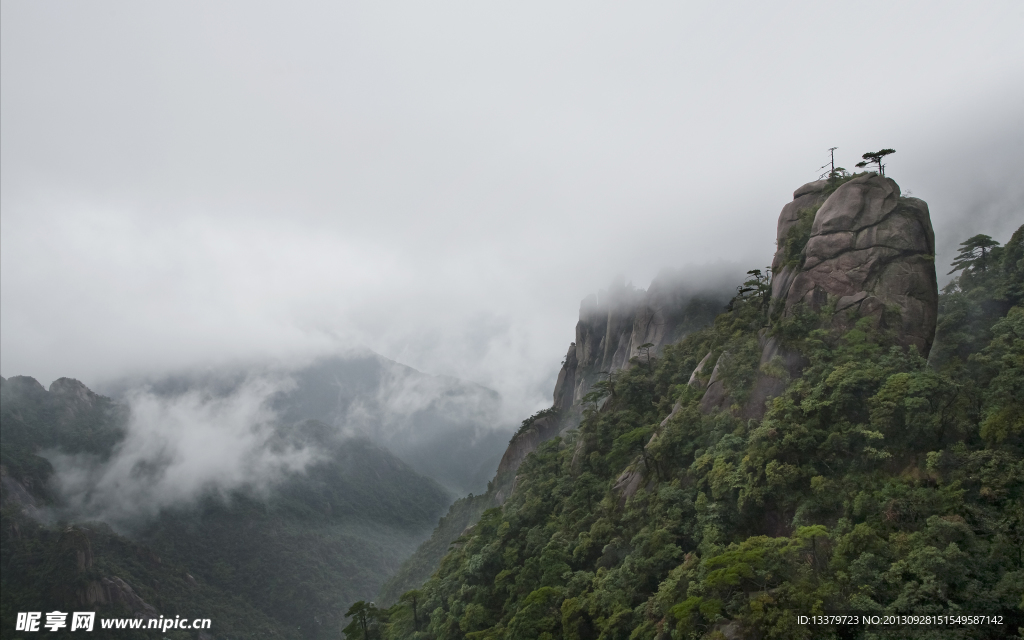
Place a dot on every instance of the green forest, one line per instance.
(879, 483)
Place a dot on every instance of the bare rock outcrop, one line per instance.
(805, 199)
(695, 380)
(73, 392)
(717, 394)
(861, 247)
(627, 484)
(522, 444)
(89, 589)
(14, 493)
(565, 385)
(617, 323)
(870, 250)
(118, 591)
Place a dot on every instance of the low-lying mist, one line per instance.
(179, 448)
(211, 432)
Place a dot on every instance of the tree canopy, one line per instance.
(974, 253)
(875, 158)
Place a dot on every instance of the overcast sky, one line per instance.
(185, 184)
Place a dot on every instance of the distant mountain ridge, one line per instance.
(445, 428)
(283, 560)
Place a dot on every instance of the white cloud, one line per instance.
(178, 449)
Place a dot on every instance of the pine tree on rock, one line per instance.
(875, 158)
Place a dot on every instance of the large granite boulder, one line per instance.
(862, 247)
(805, 199)
(870, 251)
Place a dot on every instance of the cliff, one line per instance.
(619, 323)
(616, 327)
(849, 249)
(870, 250)
(853, 248)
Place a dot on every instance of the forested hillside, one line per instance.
(877, 481)
(617, 323)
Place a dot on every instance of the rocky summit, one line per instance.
(870, 250)
(855, 247)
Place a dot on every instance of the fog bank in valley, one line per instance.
(177, 449)
(447, 429)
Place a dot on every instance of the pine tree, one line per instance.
(363, 615)
(875, 158)
(974, 253)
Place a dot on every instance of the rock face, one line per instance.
(615, 324)
(14, 493)
(860, 246)
(613, 329)
(717, 395)
(88, 589)
(869, 250)
(118, 591)
(521, 445)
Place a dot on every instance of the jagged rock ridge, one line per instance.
(616, 323)
(614, 328)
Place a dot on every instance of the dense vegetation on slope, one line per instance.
(611, 325)
(420, 565)
(279, 563)
(877, 483)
